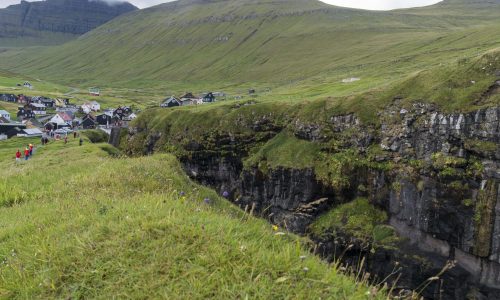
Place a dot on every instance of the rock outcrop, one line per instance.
(435, 175)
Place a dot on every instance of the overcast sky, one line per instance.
(366, 4)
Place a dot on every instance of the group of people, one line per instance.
(28, 152)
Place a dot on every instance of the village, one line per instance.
(59, 116)
(45, 116)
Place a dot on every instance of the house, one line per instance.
(171, 102)
(11, 129)
(208, 98)
(47, 102)
(8, 97)
(88, 122)
(38, 109)
(32, 132)
(5, 114)
(219, 94)
(25, 112)
(90, 107)
(104, 119)
(23, 99)
(61, 102)
(94, 91)
(32, 123)
(28, 85)
(61, 119)
(119, 113)
(95, 106)
(69, 109)
(190, 99)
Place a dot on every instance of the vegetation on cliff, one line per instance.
(76, 223)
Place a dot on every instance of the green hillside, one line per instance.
(305, 46)
(139, 237)
(53, 22)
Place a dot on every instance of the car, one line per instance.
(63, 131)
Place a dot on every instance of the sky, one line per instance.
(365, 4)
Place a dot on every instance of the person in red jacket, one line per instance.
(26, 153)
(18, 155)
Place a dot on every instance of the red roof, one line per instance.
(65, 116)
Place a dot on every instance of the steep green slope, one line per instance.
(77, 223)
(54, 21)
(304, 44)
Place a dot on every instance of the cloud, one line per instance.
(381, 4)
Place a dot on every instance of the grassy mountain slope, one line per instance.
(303, 44)
(54, 21)
(138, 237)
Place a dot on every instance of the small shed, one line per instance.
(94, 91)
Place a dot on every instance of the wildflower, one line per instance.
(302, 257)
(275, 228)
(182, 193)
(280, 233)
(207, 201)
(225, 194)
(306, 269)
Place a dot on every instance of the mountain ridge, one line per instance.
(60, 17)
(269, 42)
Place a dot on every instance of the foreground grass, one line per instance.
(84, 225)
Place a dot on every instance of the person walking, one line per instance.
(31, 149)
(66, 139)
(81, 141)
(26, 153)
(74, 135)
(18, 155)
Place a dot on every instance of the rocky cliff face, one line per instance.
(436, 176)
(61, 16)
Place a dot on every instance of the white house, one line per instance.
(89, 107)
(95, 106)
(61, 119)
(5, 114)
(27, 84)
(86, 108)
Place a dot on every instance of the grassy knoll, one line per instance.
(75, 223)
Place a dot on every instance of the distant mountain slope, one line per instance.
(61, 18)
(266, 41)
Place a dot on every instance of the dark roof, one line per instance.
(189, 96)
